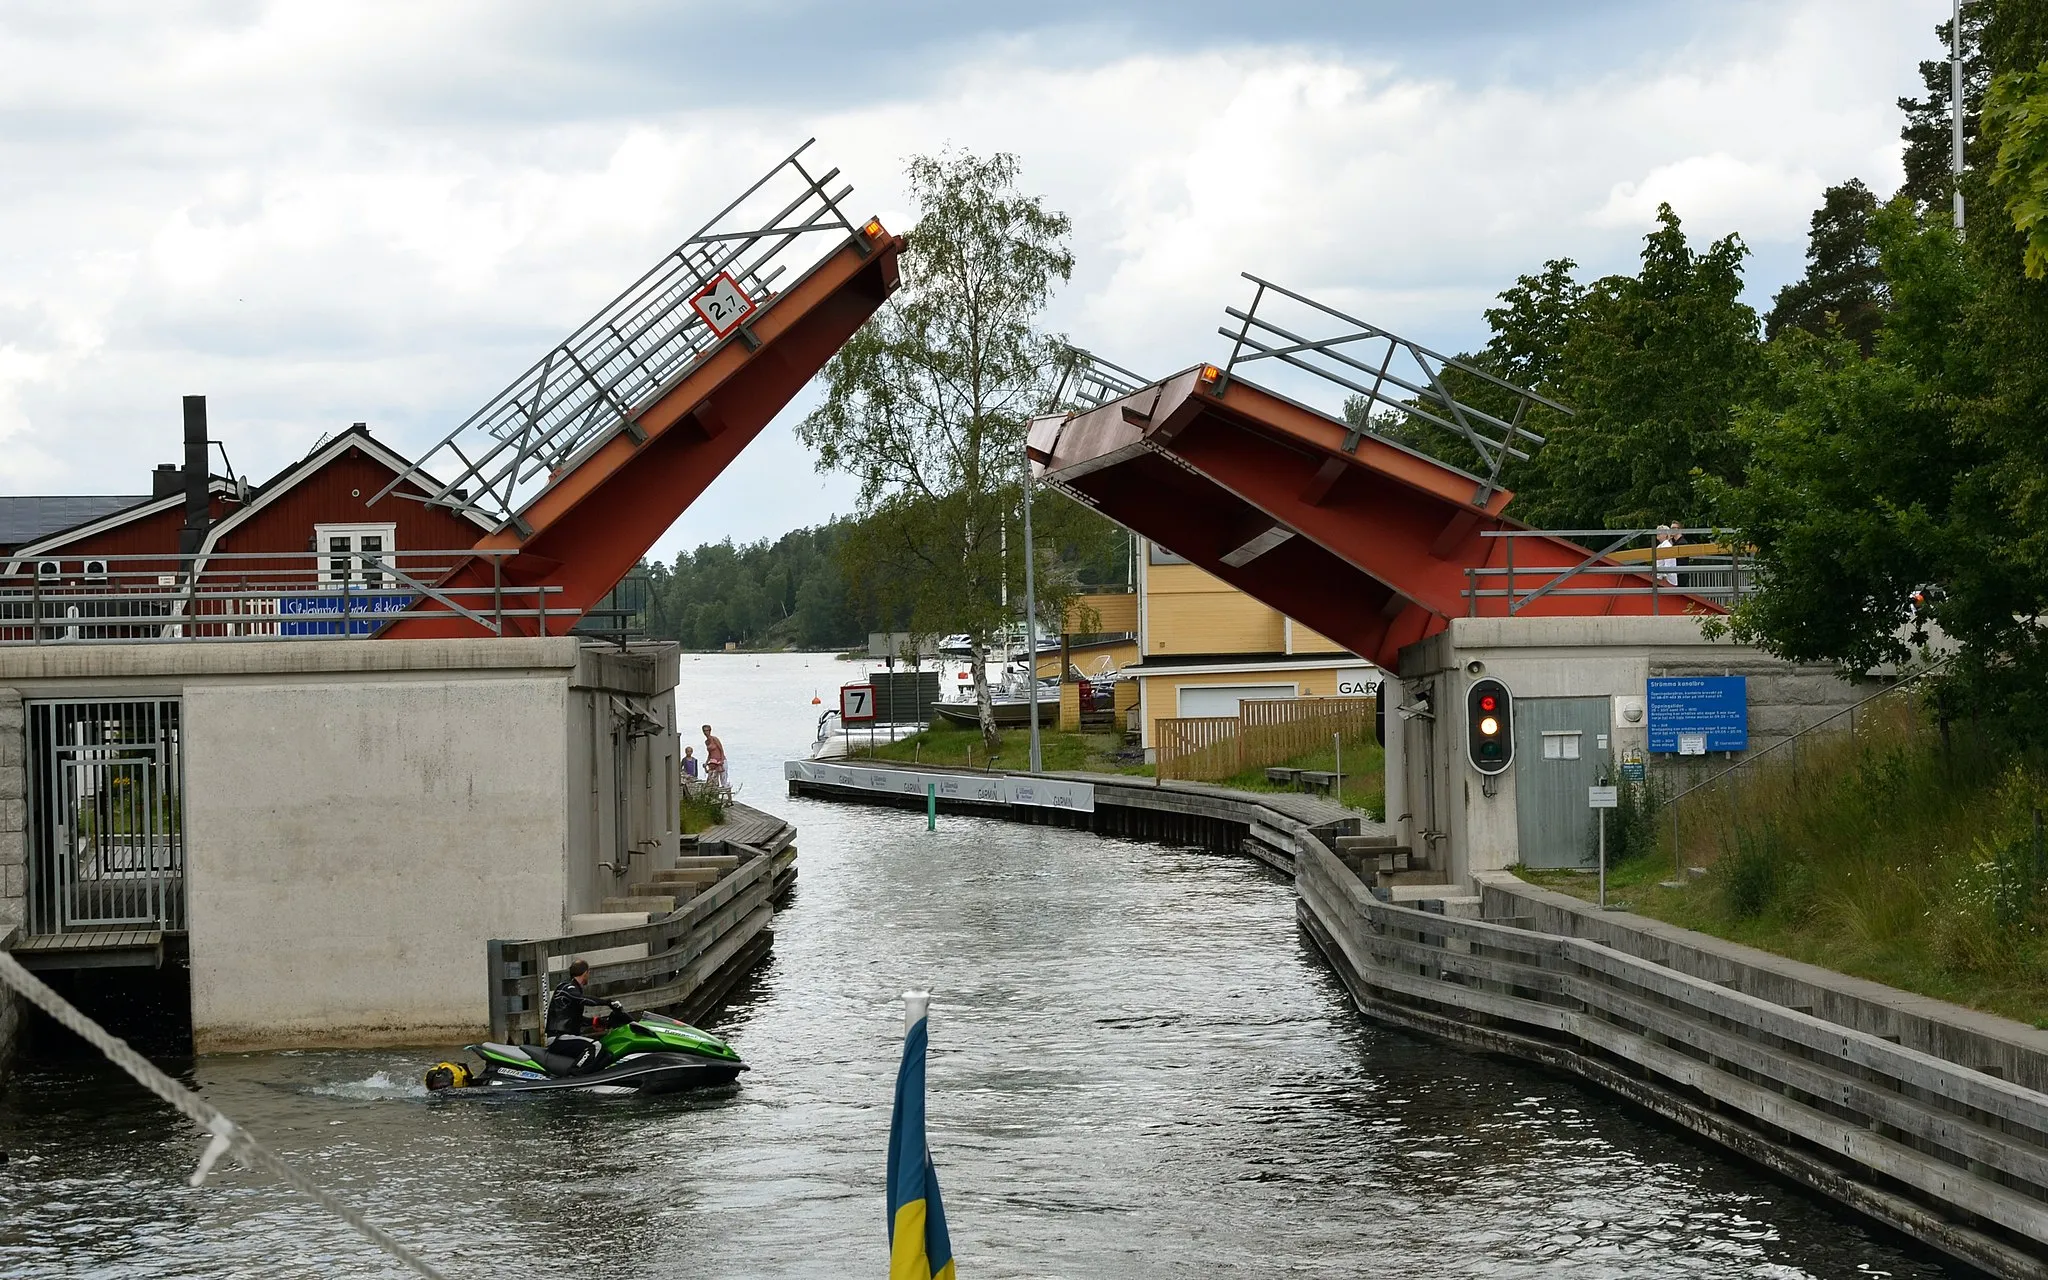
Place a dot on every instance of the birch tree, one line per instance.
(926, 405)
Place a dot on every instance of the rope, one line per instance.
(227, 1136)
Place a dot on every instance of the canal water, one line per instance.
(1137, 1070)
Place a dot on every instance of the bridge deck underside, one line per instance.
(1370, 546)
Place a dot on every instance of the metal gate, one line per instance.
(106, 783)
(1560, 750)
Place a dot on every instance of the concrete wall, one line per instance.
(362, 816)
(352, 844)
(1447, 803)
(13, 813)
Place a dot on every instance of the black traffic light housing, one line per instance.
(1489, 726)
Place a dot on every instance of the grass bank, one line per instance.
(948, 744)
(1365, 775)
(1896, 853)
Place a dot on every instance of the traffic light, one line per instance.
(1489, 726)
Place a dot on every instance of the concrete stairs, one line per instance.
(1396, 873)
(674, 886)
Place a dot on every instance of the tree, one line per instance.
(1653, 365)
(1843, 288)
(1928, 131)
(926, 405)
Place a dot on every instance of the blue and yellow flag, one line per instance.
(919, 1248)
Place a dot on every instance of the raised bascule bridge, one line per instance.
(1329, 519)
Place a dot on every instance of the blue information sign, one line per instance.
(1716, 708)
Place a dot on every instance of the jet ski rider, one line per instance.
(565, 1017)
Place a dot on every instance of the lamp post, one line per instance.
(1955, 94)
(1031, 617)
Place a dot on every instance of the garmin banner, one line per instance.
(987, 788)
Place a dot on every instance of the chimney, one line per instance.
(166, 480)
(197, 515)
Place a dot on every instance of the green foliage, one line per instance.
(700, 811)
(1843, 291)
(1927, 131)
(1895, 853)
(2016, 115)
(1655, 365)
(786, 593)
(926, 405)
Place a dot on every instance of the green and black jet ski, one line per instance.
(643, 1051)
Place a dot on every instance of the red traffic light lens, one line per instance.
(1488, 702)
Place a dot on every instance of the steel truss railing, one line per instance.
(1711, 573)
(230, 596)
(1388, 371)
(1087, 381)
(595, 383)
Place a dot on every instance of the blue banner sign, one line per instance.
(323, 615)
(1692, 714)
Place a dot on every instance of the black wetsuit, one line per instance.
(565, 1023)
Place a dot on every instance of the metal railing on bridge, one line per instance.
(253, 596)
(1619, 562)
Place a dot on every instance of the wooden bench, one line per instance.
(1284, 777)
(1316, 780)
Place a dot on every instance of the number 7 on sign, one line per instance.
(723, 304)
(856, 702)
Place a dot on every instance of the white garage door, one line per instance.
(1222, 699)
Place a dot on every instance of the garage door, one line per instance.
(1222, 699)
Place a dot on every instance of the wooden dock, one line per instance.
(711, 928)
(91, 949)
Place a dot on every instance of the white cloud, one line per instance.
(303, 212)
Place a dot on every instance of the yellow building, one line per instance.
(1204, 647)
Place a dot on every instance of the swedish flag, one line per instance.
(919, 1248)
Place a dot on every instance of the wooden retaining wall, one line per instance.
(695, 955)
(1949, 1155)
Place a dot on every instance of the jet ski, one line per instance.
(647, 1052)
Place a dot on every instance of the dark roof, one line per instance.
(28, 519)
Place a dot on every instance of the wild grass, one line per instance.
(959, 745)
(1365, 775)
(948, 744)
(701, 811)
(1895, 852)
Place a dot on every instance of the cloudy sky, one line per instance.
(317, 213)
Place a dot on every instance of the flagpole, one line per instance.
(915, 1006)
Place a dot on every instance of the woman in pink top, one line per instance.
(714, 760)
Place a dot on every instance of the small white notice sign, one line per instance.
(1692, 744)
(1603, 797)
(723, 304)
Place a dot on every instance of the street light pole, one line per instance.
(1031, 617)
(1955, 92)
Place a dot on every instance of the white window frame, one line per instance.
(357, 573)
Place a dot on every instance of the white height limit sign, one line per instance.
(723, 304)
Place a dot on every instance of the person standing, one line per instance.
(690, 767)
(714, 761)
(1667, 561)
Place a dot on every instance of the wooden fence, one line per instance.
(1264, 732)
(694, 954)
(1952, 1155)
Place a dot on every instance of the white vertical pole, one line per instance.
(915, 1005)
(1603, 859)
(1031, 620)
(1955, 65)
